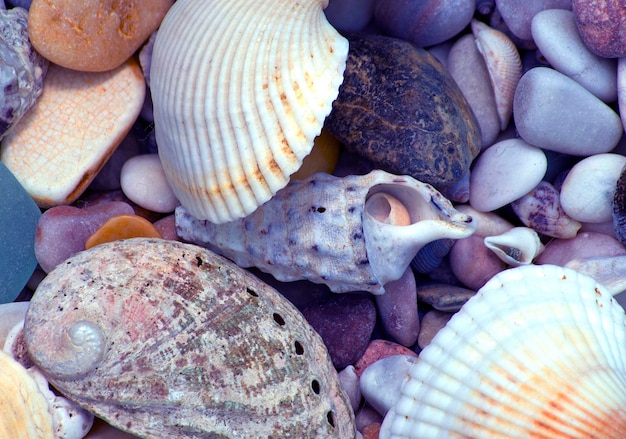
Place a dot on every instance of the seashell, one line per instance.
(165, 339)
(541, 210)
(518, 246)
(24, 410)
(504, 65)
(609, 271)
(234, 121)
(430, 256)
(619, 207)
(334, 230)
(485, 7)
(538, 352)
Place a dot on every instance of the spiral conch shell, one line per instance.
(165, 339)
(347, 233)
(240, 92)
(539, 351)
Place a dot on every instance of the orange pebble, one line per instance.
(122, 227)
(371, 431)
(322, 158)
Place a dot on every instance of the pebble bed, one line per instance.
(551, 165)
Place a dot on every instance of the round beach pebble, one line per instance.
(380, 383)
(601, 24)
(518, 14)
(554, 112)
(144, 182)
(582, 246)
(92, 35)
(588, 190)
(505, 172)
(377, 349)
(557, 37)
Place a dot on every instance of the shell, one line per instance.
(540, 351)
(234, 121)
(541, 210)
(24, 410)
(431, 255)
(504, 65)
(166, 339)
(333, 230)
(518, 246)
(610, 271)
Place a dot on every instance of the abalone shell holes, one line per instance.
(299, 348)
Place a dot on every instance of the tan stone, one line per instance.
(92, 35)
(58, 147)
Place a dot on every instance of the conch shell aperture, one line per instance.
(240, 92)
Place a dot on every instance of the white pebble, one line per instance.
(588, 190)
(554, 112)
(557, 37)
(505, 172)
(143, 181)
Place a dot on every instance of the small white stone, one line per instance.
(554, 112)
(557, 37)
(381, 381)
(588, 190)
(144, 182)
(505, 172)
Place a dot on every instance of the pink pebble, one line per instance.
(167, 227)
(397, 309)
(378, 349)
(472, 263)
(584, 245)
(143, 181)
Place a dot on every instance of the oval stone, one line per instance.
(554, 112)
(92, 35)
(505, 172)
(601, 25)
(399, 108)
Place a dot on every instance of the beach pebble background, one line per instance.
(537, 142)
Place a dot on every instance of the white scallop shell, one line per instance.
(504, 65)
(540, 351)
(240, 92)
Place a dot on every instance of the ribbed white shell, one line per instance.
(540, 351)
(240, 90)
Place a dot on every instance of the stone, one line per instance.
(443, 297)
(582, 246)
(143, 181)
(554, 112)
(166, 226)
(432, 322)
(345, 323)
(22, 69)
(587, 191)
(399, 108)
(398, 311)
(108, 178)
(381, 382)
(59, 146)
(377, 349)
(349, 15)
(92, 35)
(122, 226)
(473, 263)
(505, 172)
(19, 216)
(601, 25)
(518, 14)
(423, 22)
(557, 37)
(63, 230)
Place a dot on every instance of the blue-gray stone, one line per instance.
(18, 221)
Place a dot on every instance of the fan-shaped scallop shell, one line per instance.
(165, 339)
(240, 92)
(24, 410)
(504, 65)
(341, 232)
(540, 351)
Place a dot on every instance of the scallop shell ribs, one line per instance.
(165, 339)
(240, 92)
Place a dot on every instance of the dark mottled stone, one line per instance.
(601, 25)
(345, 323)
(400, 109)
(619, 208)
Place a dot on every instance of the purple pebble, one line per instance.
(63, 230)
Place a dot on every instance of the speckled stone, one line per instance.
(92, 35)
(601, 24)
(378, 349)
(400, 108)
(432, 322)
(57, 148)
(19, 216)
(345, 323)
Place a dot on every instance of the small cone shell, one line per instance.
(539, 351)
(24, 410)
(240, 92)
